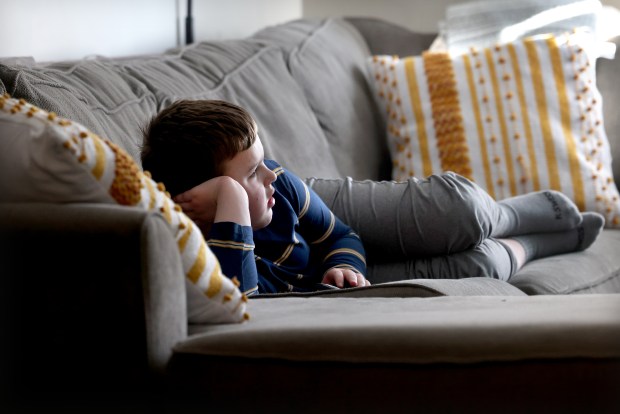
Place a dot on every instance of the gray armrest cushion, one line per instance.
(595, 270)
(98, 286)
(460, 329)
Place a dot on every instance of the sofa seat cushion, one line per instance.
(460, 329)
(596, 270)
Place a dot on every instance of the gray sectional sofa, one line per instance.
(93, 295)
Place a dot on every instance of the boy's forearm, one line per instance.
(346, 252)
(233, 245)
(232, 203)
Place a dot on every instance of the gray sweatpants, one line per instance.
(444, 226)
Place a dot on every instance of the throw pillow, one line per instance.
(514, 118)
(55, 160)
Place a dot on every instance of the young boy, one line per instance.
(273, 232)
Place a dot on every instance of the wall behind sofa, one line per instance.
(72, 29)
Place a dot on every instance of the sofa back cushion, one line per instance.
(94, 93)
(116, 98)
(256, 77)
(327, 59)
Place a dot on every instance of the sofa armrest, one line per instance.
(93, 296)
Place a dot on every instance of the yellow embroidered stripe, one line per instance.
(573, 161)
(416, 105)
(151, 191)
(198, 267)
(332, 223)
(304, 209)
(502, 121)
(516, 69)
(346, 251)
(278, 170)
(447, 116)
(99, 167)
(185, 238)
(215, 281)
(228, 244)
(486, 164)
(285, 255)
(543, 113)
(165, 210)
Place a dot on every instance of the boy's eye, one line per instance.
(253, 173)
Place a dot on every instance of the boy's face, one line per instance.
(249, 170)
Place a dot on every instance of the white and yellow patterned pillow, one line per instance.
(514, 118)
(52, 159)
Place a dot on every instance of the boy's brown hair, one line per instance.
(186, 143)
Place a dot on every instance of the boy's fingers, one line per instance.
(339, 279)
(335, 277)
(361, 280)
(352, 278)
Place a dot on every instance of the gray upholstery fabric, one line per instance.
(98, 287)
(596, 270)
(254, 76)
(116, 99)
(94, 93)
(342, 102)
(289, 130)
(163, 287)
(418, 330)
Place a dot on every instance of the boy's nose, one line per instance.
(271, 177)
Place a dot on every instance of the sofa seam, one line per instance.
(222, 82)
(79, 96)
(613, 276)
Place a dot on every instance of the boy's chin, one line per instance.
(264, 222)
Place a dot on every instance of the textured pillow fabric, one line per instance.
(514, 118)
(47, 158)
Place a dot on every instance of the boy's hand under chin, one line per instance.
(344, 278)
(216, 200)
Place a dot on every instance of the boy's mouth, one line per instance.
(270, 200)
